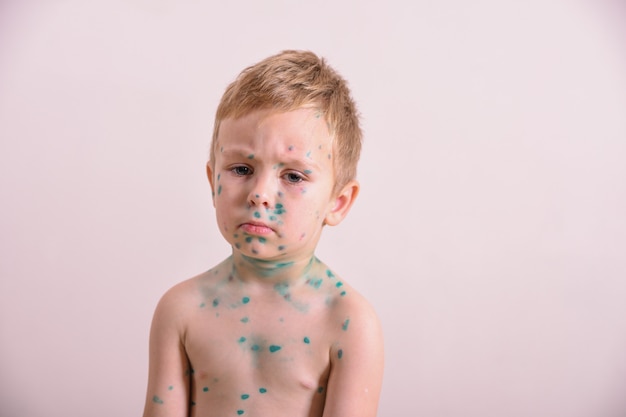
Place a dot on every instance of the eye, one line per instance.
(293, 177)
(241, 170)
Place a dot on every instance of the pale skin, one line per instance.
(271, 331)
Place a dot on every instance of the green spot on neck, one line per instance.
(274, 348)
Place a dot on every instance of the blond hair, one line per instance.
(290, 80)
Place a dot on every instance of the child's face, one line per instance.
(272, 183)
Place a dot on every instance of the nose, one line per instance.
(261, 192)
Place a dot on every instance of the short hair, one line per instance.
(290, 80)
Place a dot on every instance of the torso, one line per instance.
(261, 348)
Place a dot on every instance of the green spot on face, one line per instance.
(307, 340)
(345, 325)
(218, 176)
(279, 209)
(237, 245)
(251, 156)
(274, 348)
(340, 354)
(205, 389)
(157, 400)
(245, 300)
(262, 239)
(272, 218)
(249, 239)
(244, 320)
(308, 171)
(257, 214)
(219, 190)
(245, 396)
(262, 390)
(242, 339)
(281, 247)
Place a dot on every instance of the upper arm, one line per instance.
(169, 370)
(356, 371)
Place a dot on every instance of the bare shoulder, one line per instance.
(183, 299)
(351, 310)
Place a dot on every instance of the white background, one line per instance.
(490, 233)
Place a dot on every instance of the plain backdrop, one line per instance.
(490, 234)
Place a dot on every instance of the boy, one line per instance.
(272, 331)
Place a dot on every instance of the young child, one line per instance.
(272, 331)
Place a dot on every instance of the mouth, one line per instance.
(256, 228)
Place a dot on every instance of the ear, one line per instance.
(341, 203)
(209, 174)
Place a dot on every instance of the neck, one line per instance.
(249, 269)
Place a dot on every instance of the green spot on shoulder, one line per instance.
(157, 400)
(262, 390)
(316, 282)
(339, 284)
(274, 348)
(345, 325)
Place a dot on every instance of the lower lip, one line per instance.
(255, 229)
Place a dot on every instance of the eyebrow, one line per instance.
(247, 154)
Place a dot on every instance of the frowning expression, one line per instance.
(272, 181)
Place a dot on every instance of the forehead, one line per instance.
(296, 129)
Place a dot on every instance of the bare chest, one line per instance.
(241, 351)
